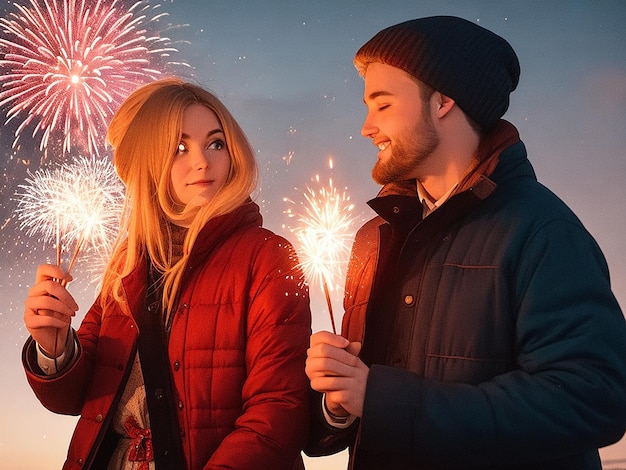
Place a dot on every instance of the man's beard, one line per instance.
(408, 152)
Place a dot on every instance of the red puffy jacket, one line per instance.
(237, 350)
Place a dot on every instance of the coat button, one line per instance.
(176, 365)
(180, 405)
(99, 418)
(408, 299)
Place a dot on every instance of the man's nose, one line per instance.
(368, 129)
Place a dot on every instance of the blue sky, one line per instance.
(284, 68)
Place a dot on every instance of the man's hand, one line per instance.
(334, 368)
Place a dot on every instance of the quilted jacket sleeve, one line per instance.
(64, 392)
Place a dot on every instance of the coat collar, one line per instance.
(212, 234)
(397, 199)
(219, 228)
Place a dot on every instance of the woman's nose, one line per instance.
(199, 160)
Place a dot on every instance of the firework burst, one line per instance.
(79, 204)
(323, 236)
(67, 64)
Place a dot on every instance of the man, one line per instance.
(490, 335)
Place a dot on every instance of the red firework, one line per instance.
(68, 64)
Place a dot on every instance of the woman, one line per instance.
(192, 355)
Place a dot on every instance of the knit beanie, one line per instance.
(475, 67)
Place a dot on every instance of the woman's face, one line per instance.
(202, 161)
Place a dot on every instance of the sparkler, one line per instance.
(324, 236)
(77, 204)
(67, 64)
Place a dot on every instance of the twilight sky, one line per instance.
(284, 69)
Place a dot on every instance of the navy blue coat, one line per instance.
(493, 337)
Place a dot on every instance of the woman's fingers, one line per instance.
(49, 307)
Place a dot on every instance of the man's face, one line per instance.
(399, 122)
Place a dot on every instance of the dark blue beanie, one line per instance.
(475, 67)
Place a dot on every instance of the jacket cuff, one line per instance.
(339, 422)
(390, 410)
(37, 362)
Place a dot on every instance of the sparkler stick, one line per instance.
(79, 245)
(58, 242)
(323, 237)
(330, 305)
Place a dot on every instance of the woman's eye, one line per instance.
(216, 145)
(181, 148)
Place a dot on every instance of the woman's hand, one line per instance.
(49, 309)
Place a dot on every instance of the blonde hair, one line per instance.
(145, 133)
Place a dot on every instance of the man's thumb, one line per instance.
(354, 348)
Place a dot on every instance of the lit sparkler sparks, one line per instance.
(324, 237)
(67, 64)
(78, 204)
